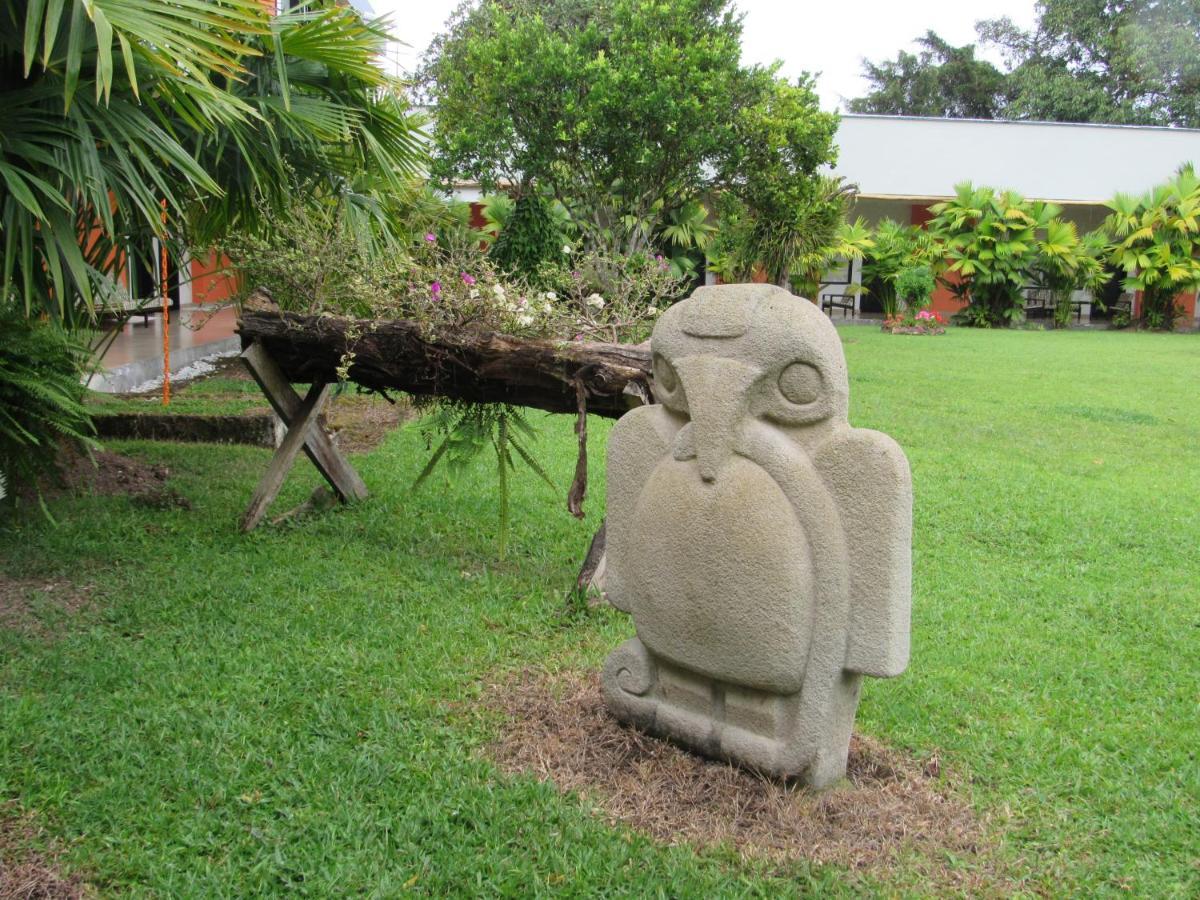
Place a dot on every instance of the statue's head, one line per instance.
(739, 353)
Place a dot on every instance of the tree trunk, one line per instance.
(466, 364)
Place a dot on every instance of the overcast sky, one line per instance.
(829, 37)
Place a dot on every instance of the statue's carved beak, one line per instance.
(716, 392)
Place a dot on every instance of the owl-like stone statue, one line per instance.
(761, 544)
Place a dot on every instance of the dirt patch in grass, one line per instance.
(41, 607)
(362, 421)
(27, 873)
(113, 474)
(892, 807)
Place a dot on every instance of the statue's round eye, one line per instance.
(664, 375)
(800, 383)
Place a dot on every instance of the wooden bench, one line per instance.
(844, 302)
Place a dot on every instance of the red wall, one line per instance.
(212, 279)
(944, 300)
(477, 219)
(1187, 301)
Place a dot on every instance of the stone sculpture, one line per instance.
(761, 544)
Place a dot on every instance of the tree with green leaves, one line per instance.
(1130, 62)
(1156, 242)
(940, 80)
(780, 142)
(625, 110)
(529, 237)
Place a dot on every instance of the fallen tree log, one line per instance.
(468, 364)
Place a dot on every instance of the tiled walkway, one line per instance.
(136, 355)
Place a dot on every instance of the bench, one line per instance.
(844, 302)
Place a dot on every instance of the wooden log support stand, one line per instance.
(572, 377)
(300, 418)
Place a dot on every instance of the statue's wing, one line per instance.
(636, 445)
(868, 475)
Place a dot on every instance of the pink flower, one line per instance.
(430, 237)
(468, 279)
(436, 289)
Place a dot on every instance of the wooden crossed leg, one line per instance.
(303, 432)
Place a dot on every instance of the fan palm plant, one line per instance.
(94, 93)
(895, 248)
(790, 244)
(129, 119)
(117, 108)
(1156, 241)
(1068, 262)
(990, 241)
(41, 398)
(326, 123)
(684, 236)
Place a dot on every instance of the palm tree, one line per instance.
(90, 148)
(130, 119)
(327, 124)
(118, 111)
(1155, 240)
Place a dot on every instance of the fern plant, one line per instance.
(41, 397)
(468, 429)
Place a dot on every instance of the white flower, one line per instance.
(551, 296)
(473, 293)
(566, 248)
(548, 307)
(498, 290)
(595, 301)
(652, 310)
(525, 319)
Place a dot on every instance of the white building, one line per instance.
(903, 164)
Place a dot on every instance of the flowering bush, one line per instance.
(915, 322)
(612, 298)
(312, 263)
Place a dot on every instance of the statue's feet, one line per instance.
(713, 718)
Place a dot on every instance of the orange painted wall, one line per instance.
(944, 300)
(477, 219)
(1187, 301)
(212, 279)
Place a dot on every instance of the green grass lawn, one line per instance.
(269, 713)
(214, 395)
